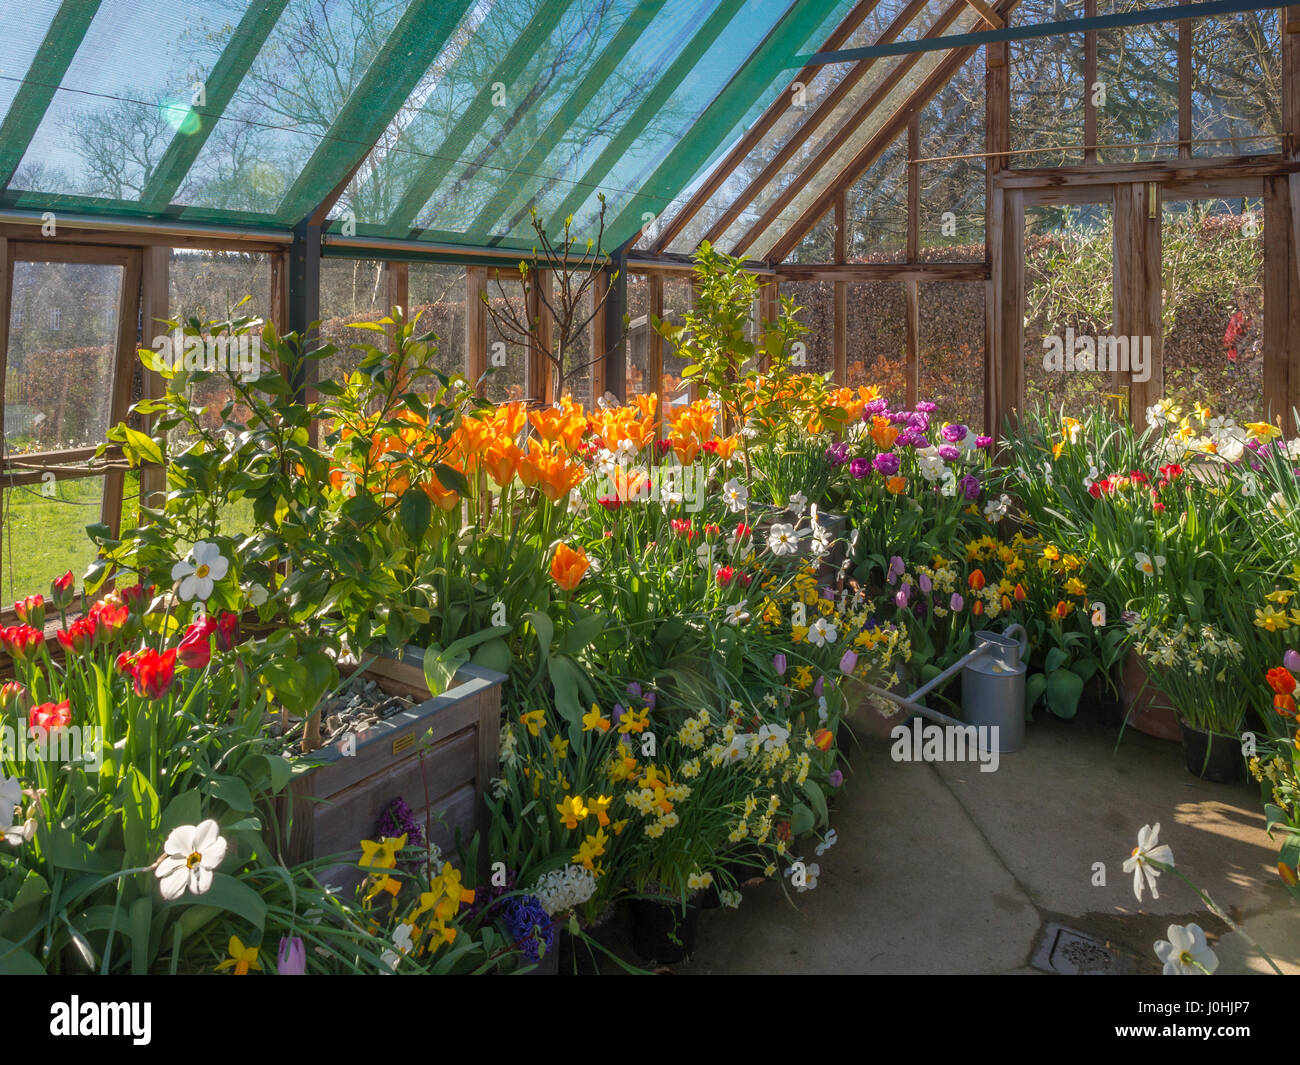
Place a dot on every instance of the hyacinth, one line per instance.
(398, 819)
(563, 889)
(530, 926)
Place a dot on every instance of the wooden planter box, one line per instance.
(437, 756)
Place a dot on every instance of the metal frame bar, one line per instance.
(758, 130)
(26, 112)
(219, 88)
(405, 57)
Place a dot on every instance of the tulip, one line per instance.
(292, 958)
(136, 597)
(896, 567)
(819, 687)
(849, 662)
(778, 663)
(903, 595)
(568, 566)
(12, 694)
(195, 650)
(31, 611)
(835, 779)
(51, 715)
(154, 672)
(824, 739)
(925, 583)
(956, 603)
(63, 590)
(1292, 661)
(634, 689)
(22, 642)
(976, 579)
(107, 620)
(227, 631)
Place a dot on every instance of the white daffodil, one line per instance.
(1232, 446)
(1091, 479)
(772, 736)
(736, 613)
(1185, 952)
(191, 855)
(932, 466)
(1249, 487)
(1292, 448)
(781, 540)
(997, 509)
(810, 874)
(403, 942)
(1278, 505)
(704, 556)
(11, 794)
(606, 463)
(798, 503)
(822, 632)
(1047, 472)
(197, 573)
(821, 541)
(735, 495)
(1147, 565)
(257, 595)
(577, 504)
(1147, 851)
(738, 748)
(832, 837)
(626, 450)
(730, 899)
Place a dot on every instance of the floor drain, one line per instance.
(1064, 950)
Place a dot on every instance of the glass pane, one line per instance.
(578, 353)
(818, 245)
(1068, 299)
(44, 528)
(18, 48)
(62, 337)
(638, 335)
(1046, 90)
(877, 337)
(208, 284)
(951, 217)
(437, 294)
(507, 354)
(679, 297)
(1236, 83)
(877, 209)
(952, 349)
(1137, 93)
(1213, 266)
(816, 301)
(351, 290)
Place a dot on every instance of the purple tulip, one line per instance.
(895, 569)
(970, 486)
(925, 406)
(778, 663)
(860, 468)
(919, 423)
(292, 959)
(925, 583)
(907, 438)
(1292, 661)
(835, 779)
(849, 662)
(949, 453)
(904, 594)
(956, 604)
(876, 406)
(838, 454)
(650, 700)
(634, 690)
(984, 442)
(617, 713)
(954, 434)
(819, 687)
(886, 463)
(920, 442)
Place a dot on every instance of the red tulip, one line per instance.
(22, 642)
(63, 590)
(724, 575)
(12, 694)
(154, 672)
(137, 597)
(108, 620)
(227, 631)
(79, 636)
(824, 739)
(51, 715)
(195, 648)
(31, 611)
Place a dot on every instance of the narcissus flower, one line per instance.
(572, 810)
(1185, 952)
(593, 719)
(381, 854)
(191, 856)
(533, 720)
(241, 958)
(1138, 863)
(568, 566)
(200, 571)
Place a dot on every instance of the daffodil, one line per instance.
(381, 855)
(241, 958)
(1138, 863)
(1149, 565)
(593, 719)
(599, 807)
(1271, 620)
(534, 719)
(1185, 952)
(573, 810)
(560, 747)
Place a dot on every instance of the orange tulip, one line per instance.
(1061, 611)
(976, 579)
(883, 433)
(501, 461)
(550, 472)
(895, 485)
(1019, 593)
(824, 739)
(725, 446)
(568, 566)
(443, 498)
(685, 449)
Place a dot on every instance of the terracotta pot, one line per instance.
(1146, 708)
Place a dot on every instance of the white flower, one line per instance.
(823, 710)
(798, 503)
(1249, 487)
(200, 571)
(562, 889)
(1148, 565)
(404, 944)
(781, 540)
(738, 748)
(735, 495)
(821, 541)
(1232, 446)
(670, 493)
(1093, 474)
(772, 736)
(1146, 850)
(11, 794)
(810, 874)
(832, 837)
(1185, 952)
(997, 509)
(949, 486)
(736, 613)
(1047, 472)
(704, 555)
(626, 450)
(730, 899)
(931, 464)
(606, 463)
(822, 632)
(1292, 448)
(257, 595)
(1278, 505)
(191, 854)
(576, 503)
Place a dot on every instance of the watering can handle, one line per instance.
(1013, 630)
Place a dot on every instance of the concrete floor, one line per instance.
(943, 869)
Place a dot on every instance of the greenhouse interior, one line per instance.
(619, 487)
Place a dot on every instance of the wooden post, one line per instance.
(841, 339)
(598, 330)
(1279, 269)
(654, 371)
(154, 302)
(1137, 287)
(1290, 27)
(614, 365)
(124, 358)
(769, 307)
(476, 327)
(279, 316)
(1089, 80)
(1003, 250)
(913, 188)
(1184, 87)
(912, 337)
(541, 382)
(6, 289)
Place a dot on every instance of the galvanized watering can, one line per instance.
(992, 687)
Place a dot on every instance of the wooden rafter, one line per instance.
(989, 15)
(758, 130)
(867, 155)
(825, 110)
(825, 157)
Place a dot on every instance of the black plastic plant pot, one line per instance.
(1212, 755)
(663, 931)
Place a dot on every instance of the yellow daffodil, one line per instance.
(599, 806)
(1282, 597)
(241, 958)
(1263, 431)
(1271, 620)
(592, 719)
(590, 849)
(1074, 586)
(381, 855)
(572, 810)
(534, 719)
(560, 747)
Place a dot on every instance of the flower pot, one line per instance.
(1212, 755)
(663, 930)
(438, 755)
(578, 957)
(1145, 707)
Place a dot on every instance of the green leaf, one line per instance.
(65, 850)
(1055, 659)
(565, 676)
(230, 790)
(415, 512)
(545, 629)
(14, 961)
(233, 896)
(451, 478)
(818, 800)
(140, 448)
(185, 809)
(801, 820)
(1035, 688)
(1063, 690)
(142, 816)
